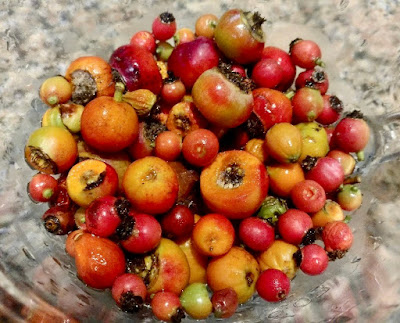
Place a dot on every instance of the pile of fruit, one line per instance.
(191, 177)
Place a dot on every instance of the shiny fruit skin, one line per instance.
(283, 177)
(235, 38)
(305, 53)
(98, 68)
(55, 90)
(195, 301)
(197, 261)
(279, 256)
(146, 234)
(333, 107)
(200, 147)
(142, 146)
(315, 140)
(283, 142)
(220, 101)
(327, 172)
(137, 68)
(234, 202)
(346, 160)
(351, 135)
(225, 302)
(314, 260)
(271, 107)
(273, 285)
(42, 187)
(173, 92)
(255, 147)
(237, 269)
(307, 104)
(178, 222)
(173, 272)
(189, 60)
(99, 261)
(70, 242)
(108, 125)
(129, 292)
(293, 225)
(184, 117)
(329, 213)
(91, 179)
(337, 236)
(102, 217)
(151, 185)
(205, 25)
(349, 197)
(144, 40)
(168, 145)
(184, 35)
(213, 235)
(118, 160)
(51, 150)
(267, 73)
(284, 61)
(164, 26)
(315, 79)
(308, 196)
(256, 234)
(166, 306)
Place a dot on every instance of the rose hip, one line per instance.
(166, 306)
(349, 197)
(327, 172)
(308, 196)
(178, 222)
(200, 147)
(145, 40)
(205, 25)
(102, 218)
(338, 238)
(273, 285)
(346, 160)
(225, 302)
(168, 145)
(143, 236)
(256, 233)
(333, 107)
(305, 53)
(293, 226)
(129, 292)
(307, 104)
(285, 63)
(352, 133)
(42, 188)
(314, 78)
(267, 73)
(164, 26)
(314, 259)
(59, 220)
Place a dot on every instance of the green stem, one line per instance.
(360, 155)
(289, 94)
(119, 90)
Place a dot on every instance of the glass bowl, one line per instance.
(360, 42)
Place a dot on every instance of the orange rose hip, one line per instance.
(213, 235)
(109, 125)
(151, 185)
(91, 76)
(235, 184)
(89, 180)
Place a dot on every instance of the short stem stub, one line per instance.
(119, 90)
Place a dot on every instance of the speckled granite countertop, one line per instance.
(360, 41)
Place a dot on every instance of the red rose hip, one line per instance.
(273, 285)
